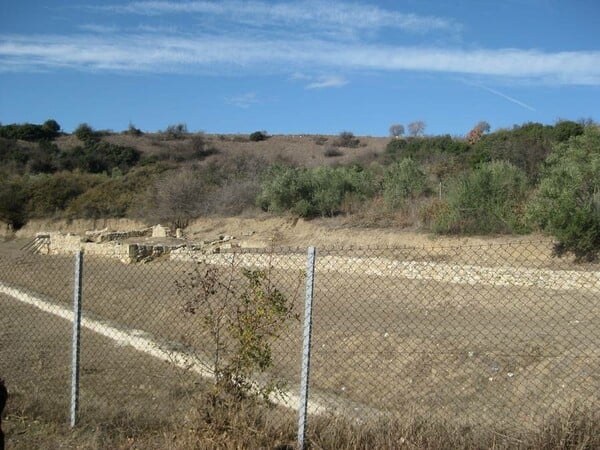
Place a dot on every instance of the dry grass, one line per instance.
(35, 361)
(487, 366)
(299, 150)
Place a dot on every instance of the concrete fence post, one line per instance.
(76, 336)
(307, 335)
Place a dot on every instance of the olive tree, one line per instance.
(567, 202)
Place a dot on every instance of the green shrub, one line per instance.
(85, 133)
(395, 147)
(240, 322)
(49, 195)
(425, 149)
(331, 152)
(31, 132)
(567, 202)
(98, 157)
(347, 139)
(34, 158)
(487, 200)
(176, 131)
(312, 192)
(13, 153)
(51, 126)
(132, 130)
(403, 181)
(258, 136)
(114, 196)
(13, 198)
(525, 146)
(565, 129)
(44, 159)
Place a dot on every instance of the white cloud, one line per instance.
(300, 76)
(311, 13)
(151, 52)
(328, 82)
(96, 28)
(244, 100)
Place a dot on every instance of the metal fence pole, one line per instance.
(76, 334)
(303, 407)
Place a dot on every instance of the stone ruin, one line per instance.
(129, 246)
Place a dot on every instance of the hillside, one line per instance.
(503, 182)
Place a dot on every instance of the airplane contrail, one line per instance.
(507, 97)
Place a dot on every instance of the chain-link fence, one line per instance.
(487, 335)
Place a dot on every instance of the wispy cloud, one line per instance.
(159, 52)
(327, 82)
(243, 101)
(313, 13)
(507, 97)
(96, 28)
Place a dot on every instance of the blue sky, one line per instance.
(299, 66)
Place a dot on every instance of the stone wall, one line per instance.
(60, 244)
(68, 244)
(110, 244)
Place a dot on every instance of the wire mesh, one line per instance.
(166, 347)
(490, 334)
(501, 335)
(35, 333)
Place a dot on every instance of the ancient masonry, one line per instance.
(158, 241)
(119, 245)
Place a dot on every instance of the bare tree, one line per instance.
(416, 128)
(180, 197)
(396, 130)
(586, 121)
(483, 127)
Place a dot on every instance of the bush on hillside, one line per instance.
(258, 136)
(177, 131)
(312, 192)
(403, 181)
(48, 195)
(13, 153)
(31, 132)
(487, 200)
(114, 196)
(525, 146)
(331, 152)
(200, 148)
(85, 133)
(13, 198)
(43, 159)
(132, 130)
(426, 148)
(347, 139)
(179, 196)
(566, 129)
(98, 157)
(567, 202)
